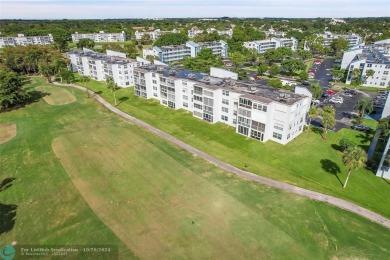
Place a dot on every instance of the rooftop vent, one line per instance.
(160, 68)
(206, 78)
(284, 95)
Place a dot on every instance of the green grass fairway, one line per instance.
(56, 95)
(84, 176)
(7, 132)
(308, 161)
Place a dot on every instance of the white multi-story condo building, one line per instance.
(153, 34)
(368, 58)
(195, 31)
(168, 54)
(100, 37)
(99, 66)
(353, 39)
(254, 110)
(22, 40)
(384, 164)
(273, 43)
(383, 45)
(272, 33)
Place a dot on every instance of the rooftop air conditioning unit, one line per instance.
(191, 75)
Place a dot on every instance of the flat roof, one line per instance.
(251, 90)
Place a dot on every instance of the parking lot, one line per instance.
(346, 109)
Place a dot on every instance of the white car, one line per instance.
(347, 94)
(337, 100)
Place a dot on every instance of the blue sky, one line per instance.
(88, 9)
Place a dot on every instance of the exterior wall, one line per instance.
(99, 68)
(384, 169)
(381, 78)
(100, 37)
(282, 122)
(386, 109)
(348, 56)
(147, 52)
(273, 43)
(22, 40)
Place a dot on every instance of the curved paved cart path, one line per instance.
(340, 203)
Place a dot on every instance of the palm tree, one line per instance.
(381, 130)
(313, 112)
(328, 118)
(354, 157)
(370, 73)
(365, 106)
(85, 80)
(111, 85)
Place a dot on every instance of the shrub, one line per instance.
(345, 143)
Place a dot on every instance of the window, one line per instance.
(257, 135)
(154, 87)
(278, 127)
(225, 109)
(387, 67)
(208, 93)
(225, 101)
(225, 92)
(244, 112)
(197, 106)
(277, 136)
(382, 84)
(185, 104)
(197, 114)
(243, 130)
(245, 103)
(386, 72)
(208, 101)
(288, 136)
(197, 98)
(198, 90)
(185, 97)
(260, 107)
(155, 94)
(154, 81)
(224, 118)
(244, 121)
(258, 126)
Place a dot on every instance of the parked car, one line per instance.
(336, 100)
(361, 128)
(346, 94)
(330, 92)
(315, 102)
(349, 115)
(326, 95)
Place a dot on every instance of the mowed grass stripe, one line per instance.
(148, 198)
(164, 203)
(55, 95)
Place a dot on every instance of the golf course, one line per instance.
(74, 173)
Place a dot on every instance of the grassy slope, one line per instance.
(186, 207)
(307, 161)
(50, 211)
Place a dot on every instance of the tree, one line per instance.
(252, 56)
(304, 55)
(276, 83)
(293, 65)
(87, 43)
(356, 80)
(354, 157)
(315, 44)
(313, 112)
(111, 85)
(339, 44)
(46, 70)
(381, 130)
(67, 76)
(273, 70)
(370, 73)
(304, 75)
(328, 118)
(365, 106)
(203, 61)
(237, 58)
(272, 55)
(316, 90)
(263, 67)
(85, 80)
(11, 89)
(146, 39)
(345, 143)
(171, 39)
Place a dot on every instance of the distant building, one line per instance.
(383, 45)
(367, 58)
(353, 39)
(335, 21)
(273, 43)
(272, 33)
(195, 31)
(99, 66)
(254, 110)
(153, 34)
(22, 40)
(100, 37)
(168, 54)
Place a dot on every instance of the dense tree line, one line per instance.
(203, 61)
(171, 39)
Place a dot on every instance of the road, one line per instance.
(340, 203)
(323, 75)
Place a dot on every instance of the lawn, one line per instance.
(360, 87)
(85, 176)
(308, 161)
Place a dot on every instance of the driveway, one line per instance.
(323, 75)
